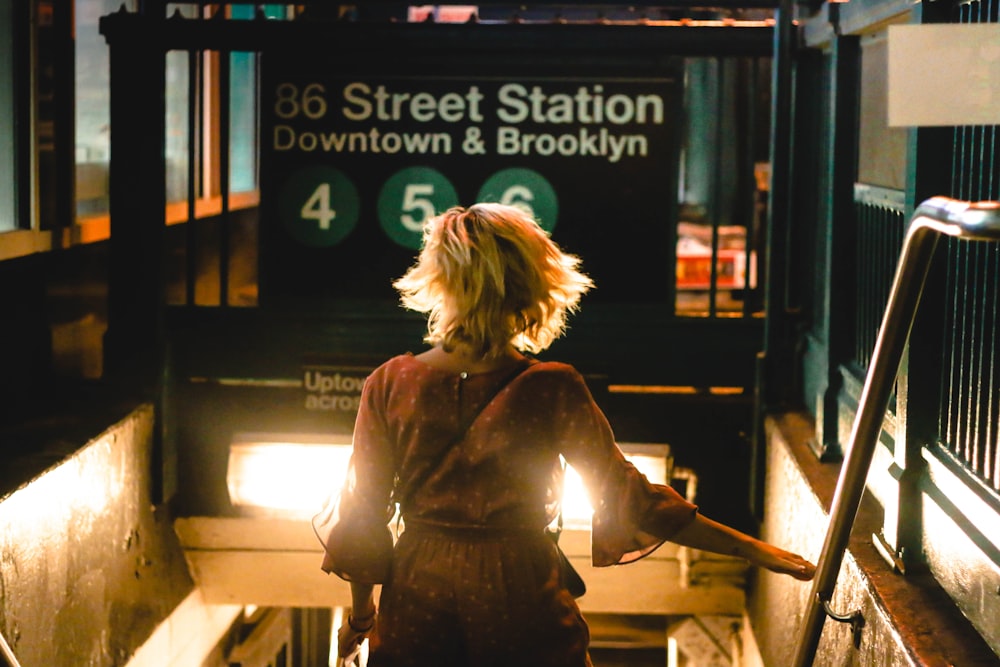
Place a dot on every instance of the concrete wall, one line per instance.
(88, 567)
(909, 620)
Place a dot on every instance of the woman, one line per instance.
(466, 438)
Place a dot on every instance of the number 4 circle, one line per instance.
(319, 206)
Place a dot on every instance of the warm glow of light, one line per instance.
(650, 389)
(670, 389)
(653, 461)
(295, 474)
(338, 620)
(286, 474)
(68, 493)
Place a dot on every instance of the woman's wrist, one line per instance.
(361, 624)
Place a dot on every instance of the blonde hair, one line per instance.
(488, 276)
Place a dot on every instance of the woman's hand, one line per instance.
(352, 632)
(778, 560)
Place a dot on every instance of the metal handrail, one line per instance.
(974, 221)
(9, 659)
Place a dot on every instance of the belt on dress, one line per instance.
(469, 531)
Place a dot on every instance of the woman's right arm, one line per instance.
(708, 535)
(633, 517)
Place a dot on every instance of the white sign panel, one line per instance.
(944, 74)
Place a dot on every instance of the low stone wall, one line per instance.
(88, 567)
(909, 621)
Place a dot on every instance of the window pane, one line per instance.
(243, 122)
(93, 115)
(8, 137)
(177, 125)
(720, 189)
(242, 109)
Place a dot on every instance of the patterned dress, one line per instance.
(473, 580)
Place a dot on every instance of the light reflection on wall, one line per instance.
(34, 518)
(68, 487)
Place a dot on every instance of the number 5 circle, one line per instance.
(319, 206)
(409, 198)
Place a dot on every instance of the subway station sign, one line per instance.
(354, 165)
(333, 389)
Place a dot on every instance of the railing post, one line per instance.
(931, 219)
(9, 659)
(909, 281)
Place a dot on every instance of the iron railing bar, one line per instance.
(976, 391)
(981, 159)
(969, 354)
(865, 243)
(961, 308)
(994, 145)
(964, 362)
(993, 451)
(9, 659)
(949, 412)
(935, 217)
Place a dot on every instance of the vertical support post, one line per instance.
(134, 340)
(929, 160)
(716, 209)
(776, 321)
(770, 362)
(747, 182)
(134, 344)
(838, 291)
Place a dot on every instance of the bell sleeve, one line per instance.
(632, 516)
(353, 527)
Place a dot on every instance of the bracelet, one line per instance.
(350, 623)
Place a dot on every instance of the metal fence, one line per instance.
(880, 227)
(970, 390)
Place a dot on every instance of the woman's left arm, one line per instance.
(360, 620)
